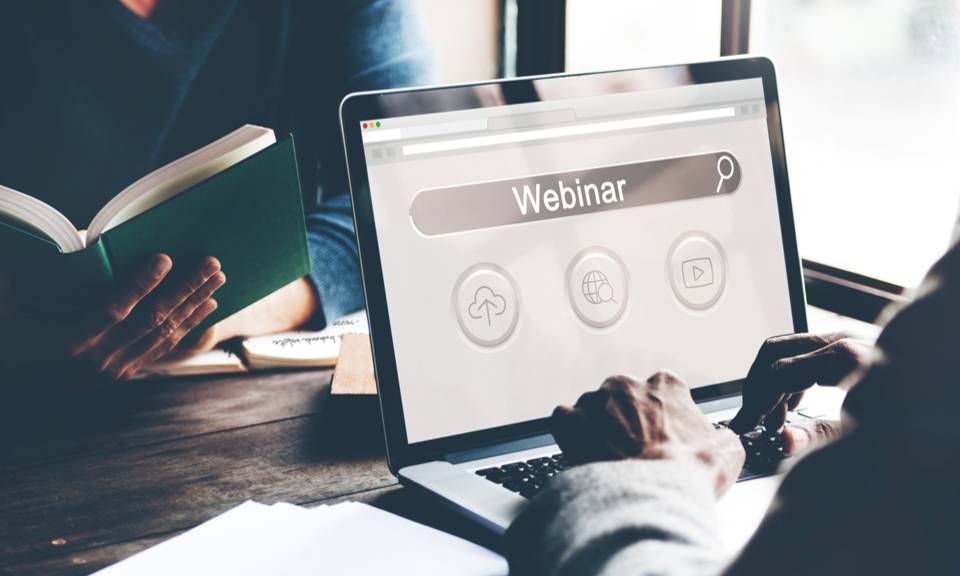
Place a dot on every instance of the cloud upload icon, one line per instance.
(487, 304)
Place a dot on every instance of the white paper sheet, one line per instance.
(287, 540)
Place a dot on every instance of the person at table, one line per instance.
(877, 496)
(96, 94)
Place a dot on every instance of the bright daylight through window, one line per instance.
(870, 96)
(870, 91)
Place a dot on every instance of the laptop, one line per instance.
(521, 240)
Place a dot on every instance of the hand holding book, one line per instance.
(236, 200)
(142, 318)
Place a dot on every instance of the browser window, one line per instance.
(531, 250)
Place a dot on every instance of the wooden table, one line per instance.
(88, 478)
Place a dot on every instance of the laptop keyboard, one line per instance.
(765, 451)
(526, 477)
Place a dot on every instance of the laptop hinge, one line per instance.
(500, 449)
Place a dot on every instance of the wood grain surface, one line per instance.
(91, 476)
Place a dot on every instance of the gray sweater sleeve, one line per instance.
(882, 499)
(630, 517)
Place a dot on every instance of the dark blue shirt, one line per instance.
(92, 97)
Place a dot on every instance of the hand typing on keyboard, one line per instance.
(764, 450)
(657, 419)
(652, 420)
(784, 368)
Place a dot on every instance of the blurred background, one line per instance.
(869, 91)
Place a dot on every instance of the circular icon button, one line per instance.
(598, 286)
(697, 268)
(485, 300)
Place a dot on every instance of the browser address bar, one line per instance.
(567, 131)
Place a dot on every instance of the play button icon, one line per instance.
(697, 272)
(696, 268)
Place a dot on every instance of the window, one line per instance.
(631, 33)
(870, 95)
(465, 36)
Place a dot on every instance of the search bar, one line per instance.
(567, 131)
(525, 199)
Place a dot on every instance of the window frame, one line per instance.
(540, 30)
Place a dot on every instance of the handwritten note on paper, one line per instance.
(349, 325)
(302, 349)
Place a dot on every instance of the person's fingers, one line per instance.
(613, 413)
(565, 424)
(788, 345)
(794, 400)
(164, 347)
(175, 327)
(622, 420)
(800, 436)
(589, 399)
(121, 304)
(759, 396)
(753, 412)
(579, 437)
(826, 366)
(767, 407)
(775, 419)
(769, 390)
(203, 341)
(166, 311)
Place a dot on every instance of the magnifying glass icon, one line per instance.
(724, 174)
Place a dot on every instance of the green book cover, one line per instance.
(249, 216)
(51, 272)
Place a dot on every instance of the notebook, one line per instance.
(300, 349)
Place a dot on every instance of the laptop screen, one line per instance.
(531, 250)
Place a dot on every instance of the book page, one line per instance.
(179, 176)
(216, 361)
(302, 348)
(33, 216)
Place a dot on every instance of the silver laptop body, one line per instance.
(520, 240)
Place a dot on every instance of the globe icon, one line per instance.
(596, 287)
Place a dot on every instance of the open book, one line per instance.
(237, 199)
(303, 349)
(300, 349)
(44, 220)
